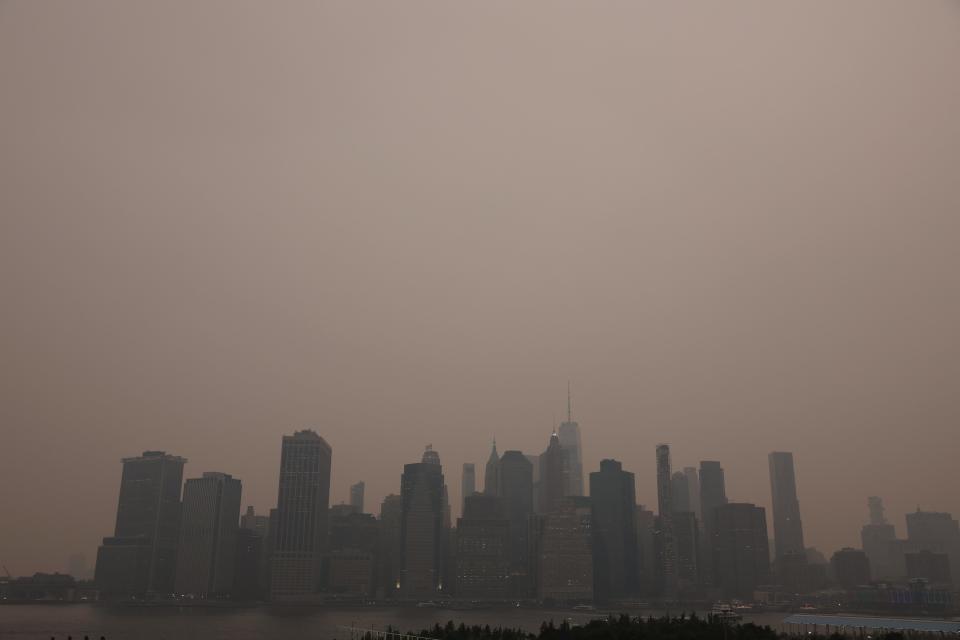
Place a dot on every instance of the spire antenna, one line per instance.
(569, 413)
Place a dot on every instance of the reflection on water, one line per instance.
(261, 623)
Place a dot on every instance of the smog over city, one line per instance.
(376, 237)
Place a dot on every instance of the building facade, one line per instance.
(303, 500)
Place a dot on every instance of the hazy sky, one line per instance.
(734, 226)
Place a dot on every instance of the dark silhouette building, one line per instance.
(851, 567)
(422, 530)
(666, 546)
(303, 500)
(491, 472)
(680, 490)
(790, 553)
(141, 555)
(741, 556)
(937, 532)
(482, 550)
(356, 496)
(569, 434)
(206, 557)
(562, 551)
(686, 534)
(516, 491)
(551, 476)
(468, 484)
(646, 550)
(391, 548)
(248, 578)
(877, 538)
(930, 566)
(713, 493)
(613, 502)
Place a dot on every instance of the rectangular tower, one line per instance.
(208, 535)
(141, 555)
(303, 499)
(356, 496)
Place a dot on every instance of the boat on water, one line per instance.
(725, 612)
(584, 607)
(428, 604)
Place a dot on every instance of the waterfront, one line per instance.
(24, 622)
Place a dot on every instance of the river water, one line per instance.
(41, 622)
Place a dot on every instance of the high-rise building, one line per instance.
(303, 499)
(937, 532)
(686, 535)
(851, 567)
(693, 487)
(646, 550)
(516, 490)
(422, 531)
(569, 434)
(141, 555)
(482, 556)
(356, 496)
(741, 554)
(613, 502)
(551, 475)
(354, 543)
(468, 484)
(491, 473)
(667, 581)
(877, 538)
(563, 552)
(713, 493)
(680, 491)
(248, 578)
(787, 528)
(208, 535)
(930, 566)
(391, 547)
(713, 488)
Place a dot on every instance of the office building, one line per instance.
(571, 447)
(468, 483)
(790, 552)
(356, 496)
(563, 553)
(613, 502)
(741, 554)
(482, 550)
(551, 476)
(851, 568)
(303, 499)
(491, 473)
(141, 555)
(206, 557)
(422, 531)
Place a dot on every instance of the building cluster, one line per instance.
(534, 532)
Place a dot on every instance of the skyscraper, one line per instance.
(468, 484)
(680, 492)
(937, 532)
(663, 530)
(303, 499)
(141, 555)
(490, 474)
(208, 535)
(551, 475)
(877, 538)
(713, 489)
(741, 555)
(787, 528)
(356, 496)
(482, 562)
(569, 433)
(713, 493)
(564, 556)
(516, 490)
(391, 546)
(422, 531)
(693, 487)
(613, 501)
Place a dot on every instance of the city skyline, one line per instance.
(731, 227)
